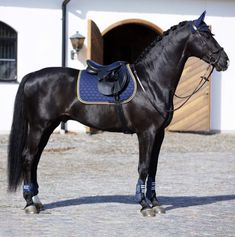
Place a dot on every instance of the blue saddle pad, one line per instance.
(87, 90)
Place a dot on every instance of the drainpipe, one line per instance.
(63, 126)
(64, 24)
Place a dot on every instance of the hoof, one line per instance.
(39, 206)
(38, 203)
(147, 212)
(32, 209)
(158, 210)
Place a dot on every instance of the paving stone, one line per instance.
(87, 185)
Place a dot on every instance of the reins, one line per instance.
(201, 83)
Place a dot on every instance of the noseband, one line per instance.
(217, 53)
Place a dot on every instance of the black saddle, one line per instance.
(113, 78)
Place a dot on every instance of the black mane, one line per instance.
(158, 39)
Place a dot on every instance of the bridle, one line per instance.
(211, 60)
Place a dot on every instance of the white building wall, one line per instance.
(38, 24)
(220, 15)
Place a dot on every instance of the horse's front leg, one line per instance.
(151, 186)
(146, 143)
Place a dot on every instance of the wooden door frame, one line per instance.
(137, 21)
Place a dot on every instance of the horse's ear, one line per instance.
(201, 18)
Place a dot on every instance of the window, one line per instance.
(8, 53)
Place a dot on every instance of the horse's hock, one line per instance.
(125, 40)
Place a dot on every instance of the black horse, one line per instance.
(47, 97)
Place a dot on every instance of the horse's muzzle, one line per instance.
(223, 62)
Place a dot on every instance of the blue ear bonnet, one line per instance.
(199, 24)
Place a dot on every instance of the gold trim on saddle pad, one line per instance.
(103, 102)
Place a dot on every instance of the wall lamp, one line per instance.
(77, 42)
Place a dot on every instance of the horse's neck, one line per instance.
(162, 67)
(166, 65)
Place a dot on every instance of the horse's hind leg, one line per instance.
(37, 139)
(44, 139)
(151, 193)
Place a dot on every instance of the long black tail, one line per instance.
(17, 140)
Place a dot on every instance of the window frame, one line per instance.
(15, 43)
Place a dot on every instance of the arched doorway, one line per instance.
(125, 40)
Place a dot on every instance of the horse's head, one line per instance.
(202, 44)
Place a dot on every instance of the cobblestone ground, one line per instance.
(87, 185)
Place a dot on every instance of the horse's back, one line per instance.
(50, 91)
(46, 78)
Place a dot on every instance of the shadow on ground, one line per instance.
(169, 202)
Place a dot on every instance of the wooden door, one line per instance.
(94, 43)
(94, 50)
(194, 116)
